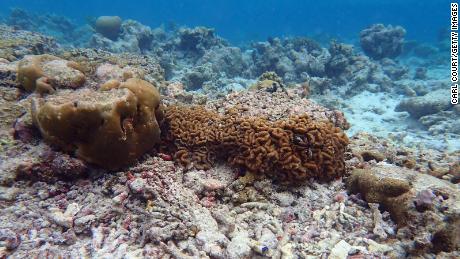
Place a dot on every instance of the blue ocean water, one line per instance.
(241, 21)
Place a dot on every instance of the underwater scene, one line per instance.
(229, 129)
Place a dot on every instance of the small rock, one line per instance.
(285, 198)
(377, 248)
(83, 223)
(340, 197)
(9, 239)
(70, 237)
(137, 186)
(372, 155)
(424, 200)
(56, 216)
(43, 194)
(72, 209)
(8, 193)
(340, 250)
(239, 246)
(212, 185)
(120, 198)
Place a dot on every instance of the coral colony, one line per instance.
(122, 141)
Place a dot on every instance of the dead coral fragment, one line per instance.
(392, 193)
(46, 73)
(109, 128)
(290, 150)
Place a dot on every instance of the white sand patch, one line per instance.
(374, 113)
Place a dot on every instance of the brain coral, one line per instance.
(289, 150)
(46, 73)
(110, 128)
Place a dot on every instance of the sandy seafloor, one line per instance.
(399, 198)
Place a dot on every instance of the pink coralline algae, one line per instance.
(50, 167)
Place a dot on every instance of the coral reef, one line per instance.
(110, 128)
(201, 60)
(61, 28)
(46, 73)
(15, 44)
(11, 107)
(400, 201)
(289, 58)
(129, 36)
(379, 41)
(8, 73)
(290, 150)
(198, 39)
(441, 122)
(228, 61)
(369, 150)
(338, 68)
(50, 167)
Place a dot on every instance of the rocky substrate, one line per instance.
(155, 208)
(394, 201)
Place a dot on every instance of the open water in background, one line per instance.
(253, 20)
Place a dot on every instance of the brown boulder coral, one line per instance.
(393, 194)
(290, 150)
(108, 26)
(111, 128)
(46, 73)
(420, 204)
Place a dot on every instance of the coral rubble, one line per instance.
(15, 44)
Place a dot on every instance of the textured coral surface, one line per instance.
(45, 73)
(291, 150)
(397, 196)
(110, 128)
